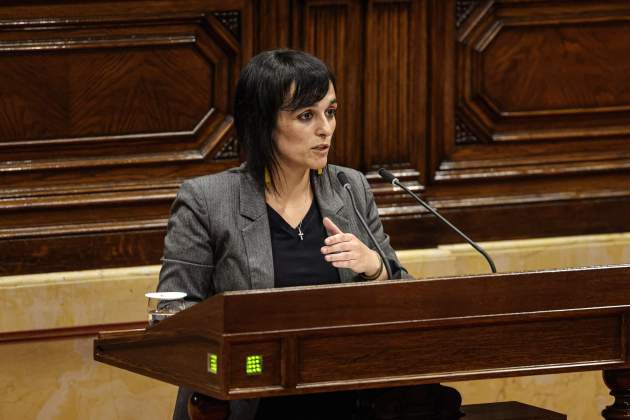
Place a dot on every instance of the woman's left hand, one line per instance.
(344, 250)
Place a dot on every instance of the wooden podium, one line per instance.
(383, 334)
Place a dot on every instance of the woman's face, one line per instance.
(302, 137)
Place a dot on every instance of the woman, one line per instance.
(282, 218)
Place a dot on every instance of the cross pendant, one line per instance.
(300, 234)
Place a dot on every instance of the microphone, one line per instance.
(343, 179)
(389, 177)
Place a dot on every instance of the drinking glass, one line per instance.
(162, 305)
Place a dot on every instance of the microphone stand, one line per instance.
(343, 179)
(390, 177)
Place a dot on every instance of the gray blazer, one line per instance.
(219, 240)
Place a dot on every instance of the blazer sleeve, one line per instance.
(188, 262)
(374, 223)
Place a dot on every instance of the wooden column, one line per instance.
(618, 381)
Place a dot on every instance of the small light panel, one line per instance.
(254, 365)
(213, 365)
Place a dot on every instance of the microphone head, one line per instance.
(385, 174)
(343, 179)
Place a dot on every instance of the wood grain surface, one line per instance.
(507, 115)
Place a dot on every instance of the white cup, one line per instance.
(162, 305)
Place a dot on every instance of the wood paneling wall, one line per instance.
(104, 108)
(511, 116)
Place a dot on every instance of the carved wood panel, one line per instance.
(104, 110)
(537, 83)
(528, 118)
(507, 114)
(329, 31)
(395, 67)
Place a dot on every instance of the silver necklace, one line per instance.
(300, 233)
(299, 226)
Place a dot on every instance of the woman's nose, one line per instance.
(324, 128)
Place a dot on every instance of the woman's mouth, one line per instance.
(321, 147)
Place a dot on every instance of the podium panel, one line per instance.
(274, 342)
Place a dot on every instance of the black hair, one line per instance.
(265, 88)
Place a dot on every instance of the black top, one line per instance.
(299, 262)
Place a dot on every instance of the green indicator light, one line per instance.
(212, 363)
(254, 365)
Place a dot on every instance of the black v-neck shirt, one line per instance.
(300, 262)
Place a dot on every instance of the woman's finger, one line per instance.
(331, 228)
(341, 256)
(341, 237)
(338, 247)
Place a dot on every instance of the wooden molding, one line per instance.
(498, 112)
(66, 333)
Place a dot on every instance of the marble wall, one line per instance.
(57, 378)
(54, 377)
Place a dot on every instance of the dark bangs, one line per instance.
(265, 88)
(311, 85)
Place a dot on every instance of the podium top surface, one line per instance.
(369, 335)
(438, 301)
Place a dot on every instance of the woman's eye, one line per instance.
(305, 116)
(331, 112)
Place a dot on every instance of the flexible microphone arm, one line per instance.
(388, 176)
(343, 179)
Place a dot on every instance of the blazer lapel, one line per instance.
(332, 206)
(256, 233)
